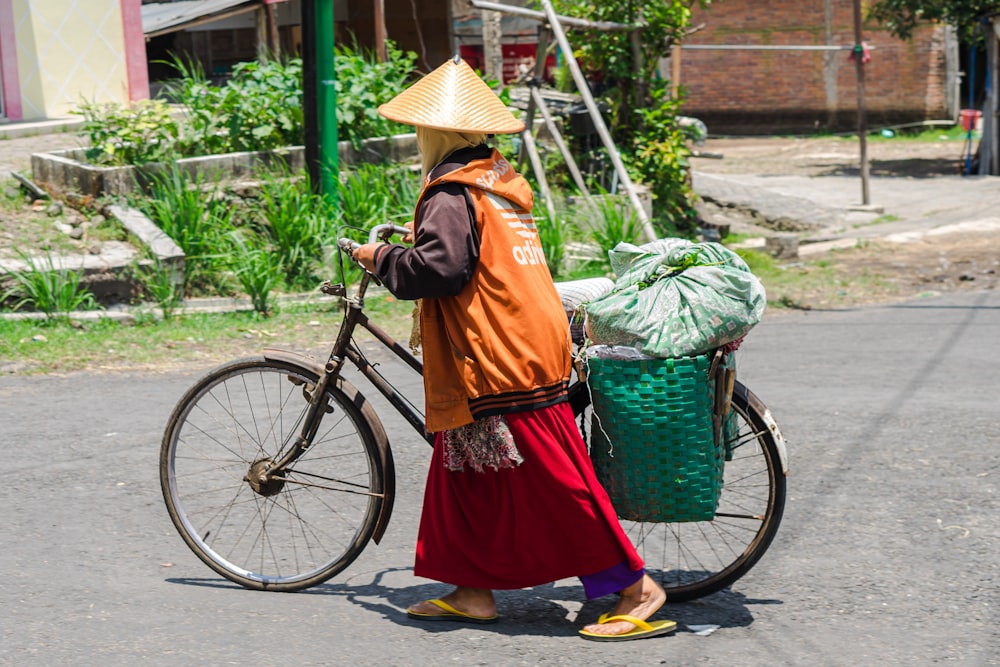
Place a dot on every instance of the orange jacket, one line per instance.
(502, 344)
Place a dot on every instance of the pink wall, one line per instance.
(135, 49)
(8, 62)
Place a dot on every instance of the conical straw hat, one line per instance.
(452, 98)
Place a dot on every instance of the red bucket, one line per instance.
(969, 118)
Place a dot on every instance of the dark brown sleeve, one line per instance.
(444, 253)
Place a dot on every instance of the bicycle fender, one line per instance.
(769, 423)
(374, 424)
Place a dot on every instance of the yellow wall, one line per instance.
(69, 51)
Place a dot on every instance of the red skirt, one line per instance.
(544, 520)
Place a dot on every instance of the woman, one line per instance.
(511, 500)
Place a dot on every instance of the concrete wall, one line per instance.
(767, 91)
(68, 51)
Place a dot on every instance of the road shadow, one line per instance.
(541, 610)
(545, 610)
(909, 167)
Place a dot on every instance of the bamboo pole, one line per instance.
(528, 141)
(557, 137)
(598, 120)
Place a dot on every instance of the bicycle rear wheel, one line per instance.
(691, 560)
(309, 522)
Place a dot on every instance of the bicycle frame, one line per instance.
(345, 350)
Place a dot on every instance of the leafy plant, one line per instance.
(609, 56)
(258, 271)
(552, 236)
(902, 17)
(262, 105)
(659, 158)
(363, 83)
(48, 288)
(197, 218)
(298, 224)
(161, 283)
(259, 108)
(618, 223)
(642, 113)
(371, 194)
(137, 134)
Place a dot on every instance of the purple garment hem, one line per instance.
(610, 580)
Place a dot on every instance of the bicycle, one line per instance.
(277, 471)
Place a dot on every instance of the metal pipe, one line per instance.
(768, 47)
(859, 67)
(326, 79)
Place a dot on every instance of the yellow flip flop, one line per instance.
(450, 614)
(642, 629)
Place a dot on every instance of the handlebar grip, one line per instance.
(385, 231)
(348, 245)
(377, 233)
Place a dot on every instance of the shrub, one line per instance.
(137, 134)
(363, 83)
(259, 108)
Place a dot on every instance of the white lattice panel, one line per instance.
(69, 51)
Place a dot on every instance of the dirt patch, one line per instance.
(42, 225)
(887, 272)
(831, 156)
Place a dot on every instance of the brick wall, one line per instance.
(793, 91)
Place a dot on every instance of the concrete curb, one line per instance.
(14, 130)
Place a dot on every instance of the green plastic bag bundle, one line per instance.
(675, 298)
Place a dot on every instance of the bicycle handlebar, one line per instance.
(377, 233)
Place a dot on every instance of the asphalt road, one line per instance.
(889, 553)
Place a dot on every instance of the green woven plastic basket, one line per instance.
(653, 440)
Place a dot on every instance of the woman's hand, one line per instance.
(365, 256)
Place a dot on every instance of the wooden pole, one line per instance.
(273, 40)
(859, 67)
(528, 140)
(994, 62)
(557, 138)
(260, 21)
(492, 45)
(380, 32)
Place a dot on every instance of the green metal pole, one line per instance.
(326, 97)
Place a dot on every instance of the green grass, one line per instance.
(923, 134)
(190, 339)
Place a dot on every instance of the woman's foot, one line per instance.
(472, 602)
(640, 600)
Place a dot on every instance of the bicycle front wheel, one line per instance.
(310, 520)
(691, 560)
